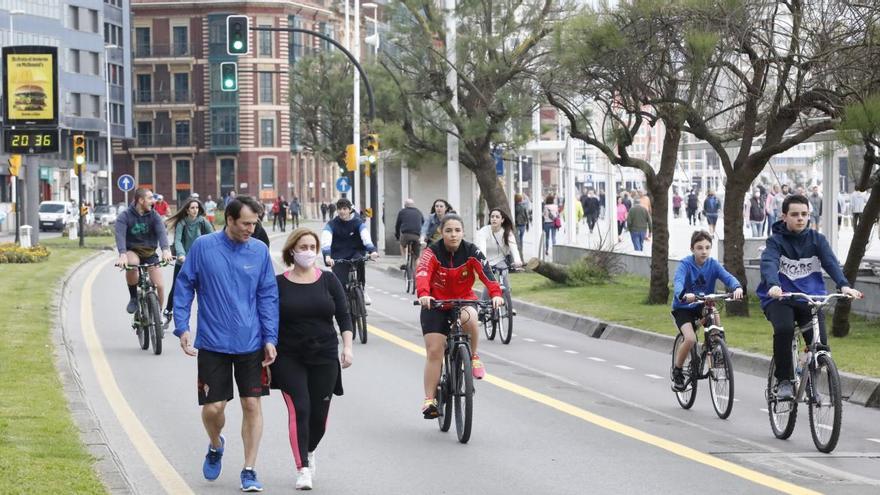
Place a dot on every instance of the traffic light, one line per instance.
(14, 165)
(228, 76)
(372, 148)
(237, 33)
(79, 153)
(350, 158)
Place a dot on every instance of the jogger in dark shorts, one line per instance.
(237, 330)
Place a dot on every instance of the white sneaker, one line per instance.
(304, 479)
(367, 300)
(312, 464)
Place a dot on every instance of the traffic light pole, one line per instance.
(82, 192)
(16, 182)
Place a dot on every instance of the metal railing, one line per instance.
(158, 50)
(164, 97)
(163, 140)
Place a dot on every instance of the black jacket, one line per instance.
(409, 221)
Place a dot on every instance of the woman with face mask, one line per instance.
(308, 366)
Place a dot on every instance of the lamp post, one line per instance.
(15, 185)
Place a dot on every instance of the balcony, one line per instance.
(224, 98)
(164, 98)
(224, 141)
(159, 142)
(163, 51)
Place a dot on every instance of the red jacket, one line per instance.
(445, 275)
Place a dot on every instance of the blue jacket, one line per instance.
(794, 262)
(693, 279)
(238, 296)
(346, 240)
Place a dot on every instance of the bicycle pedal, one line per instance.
(513, 312)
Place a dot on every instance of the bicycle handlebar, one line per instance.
(147, 265)
(437, 303)
(726, 296)
(352, 262)
(814, 299)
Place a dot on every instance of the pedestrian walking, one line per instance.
(188, 224)
(210, 209)
(308, 369)
(591, 208)
(323, 211)
(522, 218)
(815, 208)
(276, 212)
(712, 208)
(622, 213)
(237, 330)
(756, 214)
(676, 205)
(551, 221)
(295, 210)
(857, 201)
(638, 221)
(331, 210)
(693, 203)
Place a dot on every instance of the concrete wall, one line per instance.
(641, 265)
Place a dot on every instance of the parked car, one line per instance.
(56, 214)
(105, 214)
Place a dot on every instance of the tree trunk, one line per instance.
(658, 187)
(554, 272)
(734, 240)
(490, 187)
(840, 325)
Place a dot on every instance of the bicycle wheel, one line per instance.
(487, 317)
(783, 414)
(142, 320)
(721, 379)
(359, 312)
(691, 371)
(444, 402)
(408, 274)
(155, 326)
(826, 409)
(463, 393)
(506, 325)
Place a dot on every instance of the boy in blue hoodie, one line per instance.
(696, 274)
(792, 262)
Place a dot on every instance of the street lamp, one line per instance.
(109, 132)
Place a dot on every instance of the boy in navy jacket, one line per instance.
(697, 274)
(793, 262)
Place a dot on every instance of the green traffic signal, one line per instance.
(228, 76)
(237, 32)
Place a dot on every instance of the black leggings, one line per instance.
(784, 315)
(692, 216)
(591, 220)
(307, 390)
(177, 267)
(620, 226)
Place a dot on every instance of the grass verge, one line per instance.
(622, 301)
(40, 448)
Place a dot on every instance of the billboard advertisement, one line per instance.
(30, 85)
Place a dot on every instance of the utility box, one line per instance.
(24, 232)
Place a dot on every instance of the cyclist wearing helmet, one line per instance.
(446, 271)
(347, 237)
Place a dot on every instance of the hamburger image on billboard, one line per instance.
(30, 86)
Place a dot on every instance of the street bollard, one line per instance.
(24, 233)
(73, 230)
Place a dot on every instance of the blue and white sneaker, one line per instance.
(213, 461)
(249, 481)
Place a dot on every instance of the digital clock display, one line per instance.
(30, 141)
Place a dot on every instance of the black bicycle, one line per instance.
(711, 362)
(409, 270)
(500, 320)
(816, 382)
(147, 319)
(354, 291)
(455, 391)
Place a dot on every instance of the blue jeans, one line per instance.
(638, 239)
(520, 233)
(549, 231)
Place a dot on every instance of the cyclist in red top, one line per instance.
(446, 271)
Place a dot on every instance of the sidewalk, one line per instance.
(857, 389)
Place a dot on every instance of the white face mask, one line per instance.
(305, 259)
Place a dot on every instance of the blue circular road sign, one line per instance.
(343, 185)
(125, 182)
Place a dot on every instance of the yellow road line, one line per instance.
(159, 465)
(620, 428)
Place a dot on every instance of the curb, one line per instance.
(856, 389)
(105, 461)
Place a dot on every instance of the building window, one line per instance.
(73, 61)
(227, 176)
(94, 64)
(183, 181)
(267, 173)
(181, 133)
(180, 40)
(73, 17)
(181, 87)
(266, 89)
(75, 104)
(145, 134)
(267, 132)
(224, 126)
(265, 45)
(142, 41)
(94, 26)
(145, 173)
(144, 88)
(115, 113)
(96, 106)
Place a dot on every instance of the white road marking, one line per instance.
(623, 367)
(656, 377)
(550, 346)
(874, 440)
(569, 351)
(764, 410)
(597, 359)
(529, 340)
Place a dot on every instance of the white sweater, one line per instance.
(492, 245)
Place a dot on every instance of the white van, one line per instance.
(55, 214)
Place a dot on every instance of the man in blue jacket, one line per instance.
(237, 329)
(696, 274)
(792, 262)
